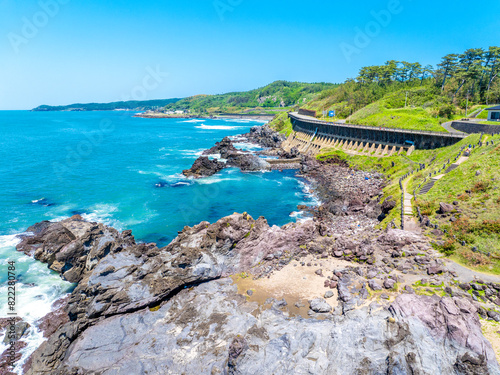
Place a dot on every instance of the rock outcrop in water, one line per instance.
(204, 167)
(246, 161)
(265, 136)
(223, 148)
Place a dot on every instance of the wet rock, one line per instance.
(58, 316)
(20, 328)
(265, 136)
(247, 162)
(223, 148)
(204, 167)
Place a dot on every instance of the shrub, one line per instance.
(481, 186)
(447, 111)
(449, 247)
(426, 208)
(486, 227)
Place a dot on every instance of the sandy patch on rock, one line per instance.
(295, 283)
(491, 330)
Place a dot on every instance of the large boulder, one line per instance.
(247, 162)
(223, 148)
(319, 305)
(445, 208)
(265, 136)
(204, 167)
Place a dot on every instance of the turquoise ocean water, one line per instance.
(125, 172)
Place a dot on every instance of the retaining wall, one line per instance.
(473, 127)
(387, 136)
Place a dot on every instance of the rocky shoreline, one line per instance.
(330, 295)
(228, 156)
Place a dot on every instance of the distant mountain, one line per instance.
(134, 105)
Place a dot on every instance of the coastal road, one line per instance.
(468, 275)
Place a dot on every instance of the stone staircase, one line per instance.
(428, 186)
(452, 167)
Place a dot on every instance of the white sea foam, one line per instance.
(196, 153)
(218, 127)
(8, 241)
(193, 121)
(246, 121)
(214, 180)
(247, 146)
(103, 213)
(168, 178)
(34, 301)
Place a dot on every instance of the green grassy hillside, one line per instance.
(474, 187)
(415, 108)
(275, 97)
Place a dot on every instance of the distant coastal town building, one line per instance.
(494, 113)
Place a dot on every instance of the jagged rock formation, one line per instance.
(265, 136)
(247, 162)
(223, 148)
(204, 167)
(141, 309)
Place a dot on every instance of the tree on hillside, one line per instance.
(469, 69)
(447, 67)
(426, 72)
(492, 67)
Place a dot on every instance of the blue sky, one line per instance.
(66, 51)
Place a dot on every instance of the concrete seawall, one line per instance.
(369, 134)
(473, 127)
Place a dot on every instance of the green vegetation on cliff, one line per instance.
(473, 189)
(407, 95)
(279, 95)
